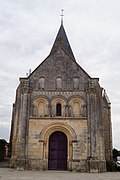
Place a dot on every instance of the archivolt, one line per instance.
(48, 130)
(77, 98)
(37, 99)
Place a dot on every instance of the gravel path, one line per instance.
(11, 174)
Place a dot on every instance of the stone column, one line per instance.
(91, 101)
(23, 122)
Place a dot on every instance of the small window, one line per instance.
(59, 83)
(58, 109)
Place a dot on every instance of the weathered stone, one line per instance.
(59, 96)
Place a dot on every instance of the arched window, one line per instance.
(58, 109)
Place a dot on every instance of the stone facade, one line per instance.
(59, 96)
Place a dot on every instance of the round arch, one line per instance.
(78, 106)
(37, 98)
(45, 135)
(67, 129)
(58, 100)
(77, 98)
(59, 97)
(40, 106)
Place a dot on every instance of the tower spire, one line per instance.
(62, 14)
(62, 41)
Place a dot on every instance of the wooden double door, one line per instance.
(57, 158)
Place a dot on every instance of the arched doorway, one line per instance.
(57, 158)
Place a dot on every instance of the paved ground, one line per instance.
(11, 174)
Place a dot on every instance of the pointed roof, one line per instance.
(62, 41)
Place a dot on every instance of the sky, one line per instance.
(27, 31)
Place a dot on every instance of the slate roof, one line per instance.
(62, 41)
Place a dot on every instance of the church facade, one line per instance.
(61, 116)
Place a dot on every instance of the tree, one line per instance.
(115, 153)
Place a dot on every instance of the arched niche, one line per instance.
(78, 106)
(59, 83)
(40, 107)
(41, 83)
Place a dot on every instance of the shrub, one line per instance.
(110, 165)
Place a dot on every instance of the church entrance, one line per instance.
(57, 158)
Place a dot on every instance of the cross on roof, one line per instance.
(62, 16)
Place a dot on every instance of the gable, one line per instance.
(62, 66)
